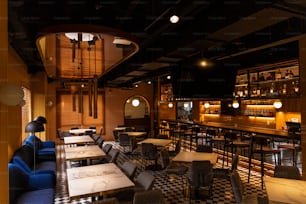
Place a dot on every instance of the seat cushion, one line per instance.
(45, 196)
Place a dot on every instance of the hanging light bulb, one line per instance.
(277, 104)
(170, 105)
(206, 105)
(235, 104)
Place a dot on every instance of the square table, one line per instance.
(96, 180)
(282, 190)
(156, 142)
(83, 152)
(78, 139)
(195, 156)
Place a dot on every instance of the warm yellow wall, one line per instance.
(114, 105)
(3, 109)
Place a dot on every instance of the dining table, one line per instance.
(188, 157)
(96, 180)
(81, 131)
(156, 142)
(87, 152)
(283, 190)
(85, 139)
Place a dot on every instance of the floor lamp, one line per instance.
(32, 127)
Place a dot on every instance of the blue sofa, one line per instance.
(24, 157)
(45, 150)
(25, 188)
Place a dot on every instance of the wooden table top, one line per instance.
(84, 152)
(195, 156)
(156, 142)
(135, 134)
(96, 180)
(78, 139)
(282, 190)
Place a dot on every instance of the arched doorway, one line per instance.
(137, 113)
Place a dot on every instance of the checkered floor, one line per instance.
(171, 187)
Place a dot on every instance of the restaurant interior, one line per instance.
(152, 101)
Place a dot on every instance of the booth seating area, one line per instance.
(32, 172)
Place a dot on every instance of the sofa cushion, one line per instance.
(45, 196)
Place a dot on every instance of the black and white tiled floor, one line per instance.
(172, 188)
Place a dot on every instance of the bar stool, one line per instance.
(260, 145)
(293, 144)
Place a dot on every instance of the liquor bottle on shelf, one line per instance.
(278, 75)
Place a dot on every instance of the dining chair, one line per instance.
(124, 141)
(238, 191)
(151, 196)
(225, 173)
(107, 147)
(261, 145)
(149, 153)
(204, 148)
(129, 168)
(177, 148)
(200, 178)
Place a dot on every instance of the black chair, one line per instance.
(107, 147)
(95, 136)
(177, 149)
(232, 142)
(150, 196)
(290, 172)
(168, 167)
(200, 178)
(261, 145)
(238, 190)
(225, 173)
(129, 168)
(149, 152)
(293, 143)
(124, 141)
(204, 148)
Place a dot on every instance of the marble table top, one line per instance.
(84, 152)
(96, 180)
(282, 190)
(78, 139)
(195, 156)
(156, 142)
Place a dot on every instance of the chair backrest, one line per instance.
(148, 151)
(88, 132)
(178, 146)
(145, 180)
(59, 133)
(204, 148)
(124, 139)
(237, 186)
(164, 158)
(129, 168)
(107, 147)
(151, 196)
(235, 162)
(290, 172)
(100, 142)
(113, 153)
(201, 173)
(161, 136)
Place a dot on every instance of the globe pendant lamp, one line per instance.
(41, 119)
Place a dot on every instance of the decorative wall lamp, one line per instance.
(206, 105)
(235, 104)
(135, 102)
(277, 104)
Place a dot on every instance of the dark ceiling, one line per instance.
(244, 33)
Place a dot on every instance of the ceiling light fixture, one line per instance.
(174, 19)
(80, 36)
(135, 102)
(121, 41)
(168, 77)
